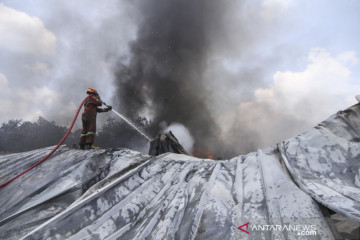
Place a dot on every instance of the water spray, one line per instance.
(130, 123)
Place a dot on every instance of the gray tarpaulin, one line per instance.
(122, 194)
(325, 162)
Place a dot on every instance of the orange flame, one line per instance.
(199, 153)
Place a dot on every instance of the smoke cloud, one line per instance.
(164, 76)
(201, 64)
(182, 134)
(237, 74)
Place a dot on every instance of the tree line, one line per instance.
(18, 136)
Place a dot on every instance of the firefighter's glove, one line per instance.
(109, 108)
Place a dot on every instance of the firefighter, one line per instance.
(88, 118)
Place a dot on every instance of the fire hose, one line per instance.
(47, 156)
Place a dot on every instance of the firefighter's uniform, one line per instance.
(89, 119)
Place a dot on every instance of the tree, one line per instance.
(16, 135)
(10, 136)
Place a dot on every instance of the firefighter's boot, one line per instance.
(91, 146)
(81, 146)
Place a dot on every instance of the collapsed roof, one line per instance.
(166, 142)
(122, 194)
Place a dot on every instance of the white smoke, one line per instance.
(182, 134)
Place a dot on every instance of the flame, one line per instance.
(200, 153)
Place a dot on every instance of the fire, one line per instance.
(200, 153)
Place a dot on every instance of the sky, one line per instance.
(260, 71)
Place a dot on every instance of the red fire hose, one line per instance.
(47, 156)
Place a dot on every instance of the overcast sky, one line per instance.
(274, 69)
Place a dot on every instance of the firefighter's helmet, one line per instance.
(91, 91)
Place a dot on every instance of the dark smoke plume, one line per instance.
(164, 75)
